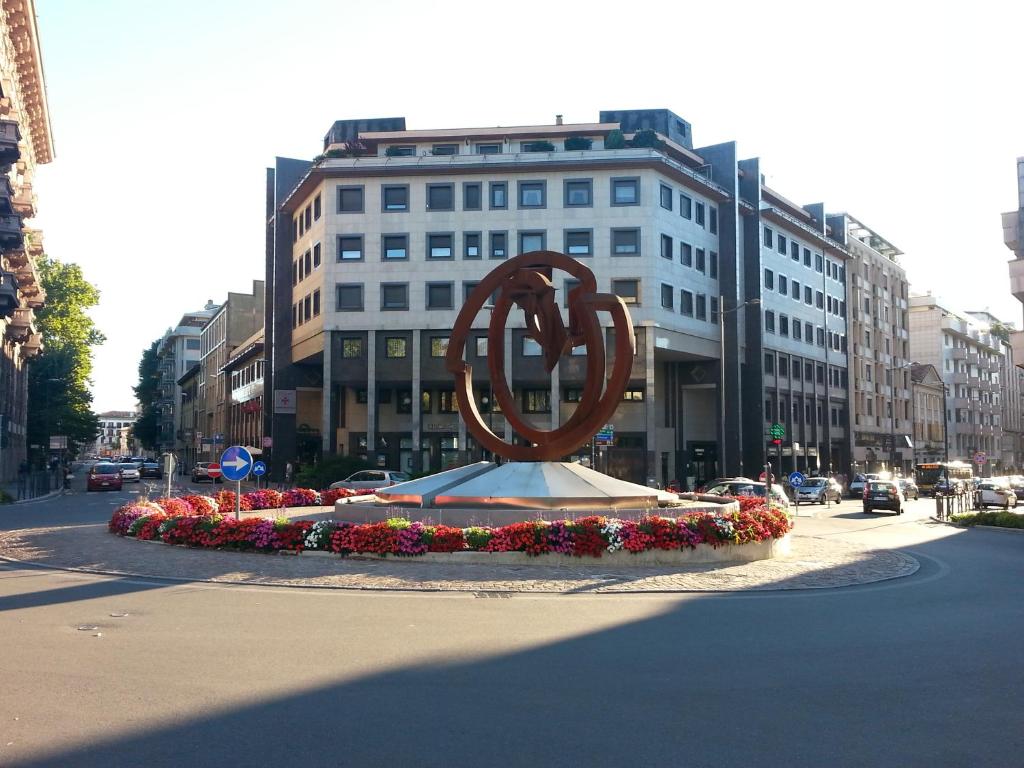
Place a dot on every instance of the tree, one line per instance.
(147, 427)
(614, 139)
(59, 400)
(1002, 330)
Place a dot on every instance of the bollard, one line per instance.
(938, 507)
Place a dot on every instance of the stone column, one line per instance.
(371, 395)
(326, 426)
(417, 455)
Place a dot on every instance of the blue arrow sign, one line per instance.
(796, 479)
(235, 463)
(259, 469)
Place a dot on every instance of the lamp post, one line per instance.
(722, 312)
(892, 411)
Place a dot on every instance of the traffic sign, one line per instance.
(796, 479)
(235, 463)
(259, 469)
(777, 431)
(605, 435)
(213, 470)
(980, 457)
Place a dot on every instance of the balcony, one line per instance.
(10, 232)
(1011, 235)
(27, 276)
(19, 327)
(9, 138)
(34, 242)
(1017, 278)
(24, 202)
(993, 364)
(958, 353)
(972, 358)
(959, 402)
(33, 346)
(958, 378)
(8, 294)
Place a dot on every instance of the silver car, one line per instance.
(818, 490)
(371, 479)
(129, 472)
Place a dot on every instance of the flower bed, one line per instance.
(590, 536)
(995, 519)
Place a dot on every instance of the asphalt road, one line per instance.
(922, 671)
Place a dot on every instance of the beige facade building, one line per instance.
(929, 409)
(231, 324)
(25, 142)
(880, 397)
(244, 373)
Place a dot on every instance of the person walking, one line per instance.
(23, 473)
(288, 470)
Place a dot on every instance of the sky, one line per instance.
(165, 117)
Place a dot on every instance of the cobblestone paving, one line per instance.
(814, 563)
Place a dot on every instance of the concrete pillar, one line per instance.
(326, 426)
(371, 395)
(649, 407)
(417, 403)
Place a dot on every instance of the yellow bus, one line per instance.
(942, 476)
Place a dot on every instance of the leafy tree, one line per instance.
(1002, 331)
(147, 427)
(59, 400)
(614, 139)
(646, 138)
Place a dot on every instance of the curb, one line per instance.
(36, 500)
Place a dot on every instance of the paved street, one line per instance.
(919, 670)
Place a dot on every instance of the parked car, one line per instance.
(129, 472)
(993, 493)
(910, 489)
(883, 494)
(719, 481)
(856, 489)
(104, 477)
(371, 479)
(819, 490)
(152, 468)
(201, 472)
(1017, 484)
(744, 487)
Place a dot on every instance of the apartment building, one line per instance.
(179, 350)
(878, 314)
(969, 359)
(191, 436)
(372, 248)
(244, 378)
(928, 414)
(108, 441)
(234, 321)
(1013, 236)
(1008, 450)
(25, 142)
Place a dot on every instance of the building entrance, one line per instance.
(703, 463)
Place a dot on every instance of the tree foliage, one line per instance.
(1001, 330)
(59, 400)
(147, 427)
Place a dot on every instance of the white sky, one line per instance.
(165, 116)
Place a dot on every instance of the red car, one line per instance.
(104, 477)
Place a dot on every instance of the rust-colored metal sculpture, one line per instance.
(525, 281)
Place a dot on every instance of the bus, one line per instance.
(943, 474)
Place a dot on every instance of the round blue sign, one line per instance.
(259, 469)
(796, 479)
(235, 463)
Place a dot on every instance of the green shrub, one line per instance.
(615, 140)
(329, 470)
(998, 519)
(395, 151)
(646, 139)
(5, 497)
(574, 143)
(538, 146)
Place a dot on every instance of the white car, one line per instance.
(129, 472)
(856, 489)
(371, 479)
(993, 494)
(743, 487)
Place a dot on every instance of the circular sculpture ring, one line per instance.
(525, 281)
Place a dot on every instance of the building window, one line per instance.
(572, 395)
(769, 280)
(783, 325)
(481, 346)
(807, 257)
(819, 300)
(781, 244)
(350, 247)
(579, 193)
(440, 197)
(535, 146)
(445, 149)
(667, 294)
(395, 247)
(820, 336)
(471, 245)
(403, 401)
(685, 206)
(808, 333)
(438, 346)
(307, 261)
(352, 347)
(440, 245)
(808, 295)
(317, 208)
(699, 262)
(783, 285)
(686, 303)
(795, 289)
(191, 343)
(471, 196)
(530, 347)
(488, 149)
(350, 199)
(395, 197)
(702, 307)
(686, 254)
(797, 330)
(769, 238)
(579, 242)
(531, 241)
(395, 346)
(625, 242)
(665, 195)
(666, 248)
(532, 194)
(769, 321)
(568, 286)
(316, 256)
(498, 194)
(818, 262)
(626, 191)
(713, 219)
(769, 362)
(499, 245)
(536, 401)
(349, 297)
(627, 290)
(396, 150)
(316, 303)
(447, 402)
(713, 265)
(634, 395)
(783, 370)
(794, 250)
(307, 217)
(394, 296)
(699, 210)
(714, 310)
(295, 273)
(440, 295)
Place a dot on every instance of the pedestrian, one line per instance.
(288, 469)
(23, 473)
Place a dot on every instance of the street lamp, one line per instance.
(722, 312)
(892, 410)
